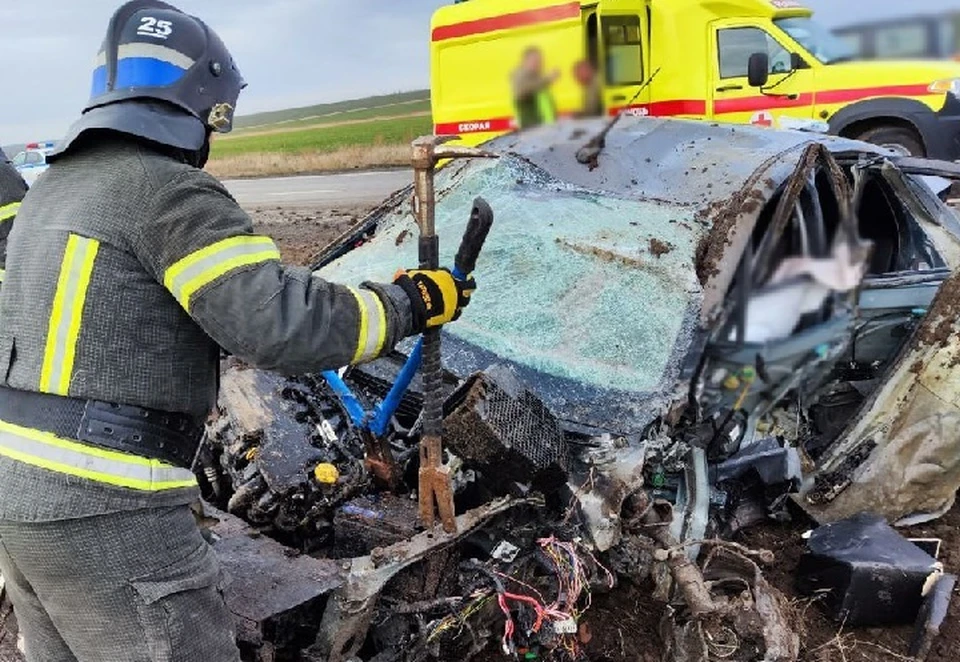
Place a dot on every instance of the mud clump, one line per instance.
(938, 326)
(658, 248)
(723, 216)
(601, 253)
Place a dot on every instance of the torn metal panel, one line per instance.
(912, 420)
(940, 223)
(266, 584)
(347, 617)
(611, 474)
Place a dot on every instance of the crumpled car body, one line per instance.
(710, 287)
(703, 324)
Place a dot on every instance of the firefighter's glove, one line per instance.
(436, 297)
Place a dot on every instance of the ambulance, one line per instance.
(762, 62)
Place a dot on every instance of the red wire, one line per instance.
(533, 603)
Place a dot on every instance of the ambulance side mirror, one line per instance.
(758, 69)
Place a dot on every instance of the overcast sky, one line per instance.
(291, 52)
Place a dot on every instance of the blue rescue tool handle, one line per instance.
(481, 220)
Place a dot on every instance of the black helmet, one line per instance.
(161, 75)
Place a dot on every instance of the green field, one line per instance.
(379, 105)
(393, 131)
(359, 115)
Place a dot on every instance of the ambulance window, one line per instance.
(906, 40)
(854, 42)
(736, 45)
(624, 50)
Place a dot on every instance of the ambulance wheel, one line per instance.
(903, 140)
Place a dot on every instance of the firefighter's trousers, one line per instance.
(133, 586)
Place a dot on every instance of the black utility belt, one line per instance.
(149, 433)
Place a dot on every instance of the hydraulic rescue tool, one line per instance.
(435, 488)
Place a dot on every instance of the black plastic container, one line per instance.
(867, 572)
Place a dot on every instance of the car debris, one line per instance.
(932, 615)
(866, 573)
(502, 429)
(269, 590)
(793, 347)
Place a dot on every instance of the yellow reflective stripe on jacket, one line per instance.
(373, 325)
(9, 211)
(206, 265)
(66, 314)
(50, 452)
(3, 274)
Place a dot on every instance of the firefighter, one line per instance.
(532, 99)
(130, 269)
(12, 190)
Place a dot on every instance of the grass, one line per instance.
(418, 106)
(362, 133)
(326, 139)
(352, 105)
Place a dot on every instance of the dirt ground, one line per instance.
(301, 233)
(623, 625)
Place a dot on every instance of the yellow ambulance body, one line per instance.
(763, 62)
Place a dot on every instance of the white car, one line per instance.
(32, 162)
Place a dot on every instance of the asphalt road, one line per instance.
(326, 190)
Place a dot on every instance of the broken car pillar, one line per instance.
(435, 488)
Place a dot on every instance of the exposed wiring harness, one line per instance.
(573, 588)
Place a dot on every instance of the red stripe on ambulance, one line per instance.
(753, 104)
(763, 102)
(846, 96)
(507, 21)
(664, 108)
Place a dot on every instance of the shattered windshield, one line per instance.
(572, 284)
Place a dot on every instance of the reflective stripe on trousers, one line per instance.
(373, 325)
(200, 268)
(66, 314)
(48, 451)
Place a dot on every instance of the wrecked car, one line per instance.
(682, 338)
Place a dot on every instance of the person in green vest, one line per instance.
(532, 99)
